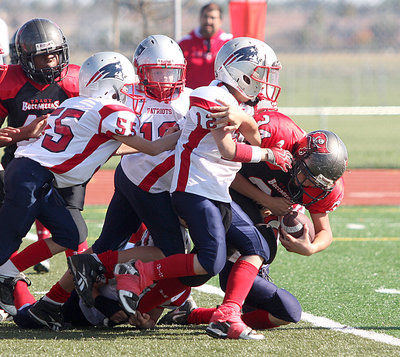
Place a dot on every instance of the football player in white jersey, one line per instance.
(80, 136)
(207, 158)
(142, 182)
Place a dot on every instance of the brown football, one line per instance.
(293, 223)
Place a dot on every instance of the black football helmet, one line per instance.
(321, 156)
(13, 52)
(41, 36)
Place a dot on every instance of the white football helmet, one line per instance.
(104, 75)
(161, 67)
(248, 64)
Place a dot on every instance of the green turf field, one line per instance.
(339, 284)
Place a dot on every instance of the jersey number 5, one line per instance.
(64, 131)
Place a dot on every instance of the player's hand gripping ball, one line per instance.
(293, 223)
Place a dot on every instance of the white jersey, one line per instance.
(154, 173)
(78, 138)
(199, 167)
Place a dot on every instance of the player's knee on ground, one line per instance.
(286, 306)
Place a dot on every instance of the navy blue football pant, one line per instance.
(129, 207)
(215, 225)
(29, 194)
(265, 295)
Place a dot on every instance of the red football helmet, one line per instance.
(161, 67)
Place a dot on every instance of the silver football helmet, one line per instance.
(161, 67)
(105, 75)
(248, 64)
(321, 157)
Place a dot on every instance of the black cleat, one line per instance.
(86, 270)
(7, 284)
(179, 315)
(47, 314)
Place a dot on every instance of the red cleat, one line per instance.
(226, 322)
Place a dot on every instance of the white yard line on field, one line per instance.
(323, 322)
(387, 291)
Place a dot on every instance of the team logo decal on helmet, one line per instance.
(314, 142)
(111, 70)
(249, 53)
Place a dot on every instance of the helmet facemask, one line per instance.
(46, 75)
(162, 82)
(317, 187)
(138, 101)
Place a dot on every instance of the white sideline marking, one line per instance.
(387, 291)
(355, 226)
(323, 322)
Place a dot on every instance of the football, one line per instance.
(293, 223)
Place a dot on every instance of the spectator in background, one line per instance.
(3, 41)
(200, 47)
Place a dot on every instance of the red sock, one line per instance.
(31, 255)
(240, 281)
(174, 266)
(109, 259)
(258, 320)
(58, 294)
(42, 231)
(22, 295)
(81, 248)
(200, 316)
(160, 293)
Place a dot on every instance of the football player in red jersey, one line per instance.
(315, 182)
(34, 87)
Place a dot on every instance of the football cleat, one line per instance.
(227, 323)
(42, 267)
(179, 316)
(7, 284)
(130, 284)
(85, 270)
(47, 314)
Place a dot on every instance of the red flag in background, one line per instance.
(248, 18)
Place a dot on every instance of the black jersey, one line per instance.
(22, 100)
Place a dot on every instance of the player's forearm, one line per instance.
(323, 240)
(125, 150)
(249, 129)
(246, 188)
(150, 147)
(167, 142)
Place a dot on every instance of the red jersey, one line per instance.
(200, 55)
(278, 129)
(22, 100)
